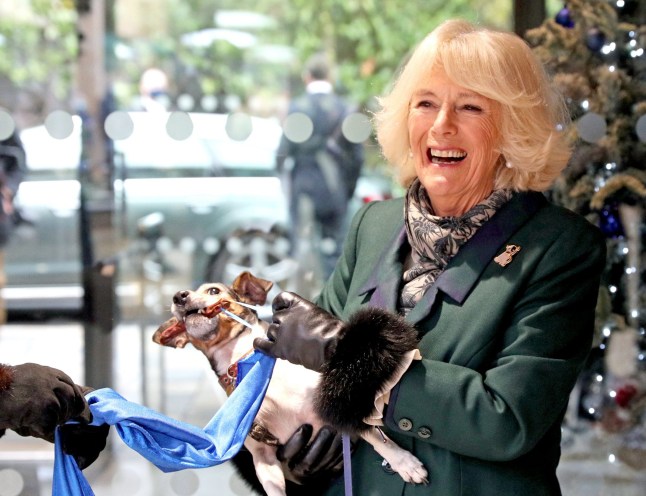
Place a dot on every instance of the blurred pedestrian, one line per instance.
(12, 171)
(325, 166)
(153, 91)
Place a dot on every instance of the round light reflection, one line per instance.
(591, 127)
(238, 126)
(118, 125)
(298, 127)
(7, 125)
(11, 482)
(179, 126)
(640, 128)
(356, 128)
(59, 124)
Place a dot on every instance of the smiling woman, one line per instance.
(455, 144)
(471, 125)
(497, 69)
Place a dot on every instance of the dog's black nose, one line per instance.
(180, 297)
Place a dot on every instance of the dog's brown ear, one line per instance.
(251, 289)
(171, 333)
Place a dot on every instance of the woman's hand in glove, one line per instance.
(309, 464)
(301, 332)
(306, 460)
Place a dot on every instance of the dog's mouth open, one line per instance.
(208, 312)
(201, 320)
(197, 321)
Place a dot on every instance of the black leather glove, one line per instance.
(38, 398)
(309, 467)
(304, 461)
(301, 332)
(84, 442)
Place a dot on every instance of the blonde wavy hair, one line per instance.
(501, 67)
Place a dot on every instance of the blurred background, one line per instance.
(150, 129)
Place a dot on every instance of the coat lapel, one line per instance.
(384, 283)
(463, 270)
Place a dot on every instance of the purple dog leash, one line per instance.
(347, 464)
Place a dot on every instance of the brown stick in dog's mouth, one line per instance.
(213, 310)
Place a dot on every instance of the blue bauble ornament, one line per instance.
(564, 18)
(595, 39)
(609, 222)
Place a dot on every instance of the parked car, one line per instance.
(206, 189)
(209, 205)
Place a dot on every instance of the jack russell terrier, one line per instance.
(204, 319)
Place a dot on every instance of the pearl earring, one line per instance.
(509, 165)
(410, 153)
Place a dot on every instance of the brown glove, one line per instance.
(36, 398)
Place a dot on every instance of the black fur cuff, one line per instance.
(366, 357)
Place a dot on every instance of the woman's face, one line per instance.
(454, 140)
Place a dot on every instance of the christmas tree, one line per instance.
(595, 52)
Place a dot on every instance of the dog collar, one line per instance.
(228, 380)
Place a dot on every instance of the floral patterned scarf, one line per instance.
(435, 240)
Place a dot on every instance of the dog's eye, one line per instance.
(214, 291)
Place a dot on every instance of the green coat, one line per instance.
(502, 347)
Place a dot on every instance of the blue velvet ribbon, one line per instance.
(169, 444)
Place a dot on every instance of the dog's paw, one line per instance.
(409, 468)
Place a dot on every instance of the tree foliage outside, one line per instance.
(38, 47)
(367, 39)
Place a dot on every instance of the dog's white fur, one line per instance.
(288, 402)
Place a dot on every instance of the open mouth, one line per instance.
(194, 311)
(192, 317)
(445, 157)
(209, 312)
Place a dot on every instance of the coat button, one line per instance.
(424, 432)
(405, 424)
(385, 466)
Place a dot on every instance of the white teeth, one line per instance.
(448, 153)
